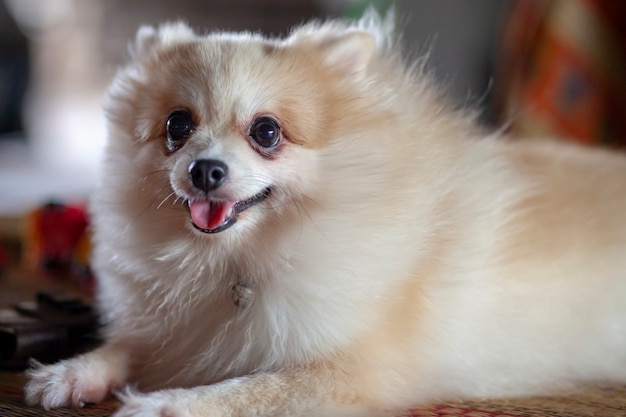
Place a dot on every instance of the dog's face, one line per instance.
(236, 122)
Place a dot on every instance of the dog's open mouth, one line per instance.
(213, 216)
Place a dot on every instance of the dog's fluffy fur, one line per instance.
(402, 255)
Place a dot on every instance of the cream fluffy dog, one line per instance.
(305, 227)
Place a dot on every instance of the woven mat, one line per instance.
(588, 401)
(596, 401)
(12, 402)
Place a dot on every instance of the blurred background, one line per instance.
(539, 67)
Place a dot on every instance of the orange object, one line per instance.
(57, 240)
(561, 69)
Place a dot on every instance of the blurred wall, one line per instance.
(461, 38)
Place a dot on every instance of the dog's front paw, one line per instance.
(166, 403)
(74, 382)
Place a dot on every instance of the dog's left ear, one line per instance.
(148, 37)
(349, 53)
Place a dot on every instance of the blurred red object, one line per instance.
(57, 240)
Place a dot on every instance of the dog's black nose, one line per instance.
(207, 174)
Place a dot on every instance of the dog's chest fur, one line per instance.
(188, 328)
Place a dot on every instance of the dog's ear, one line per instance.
(148, 37)
(349, 53)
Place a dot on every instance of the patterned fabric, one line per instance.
(561, 70)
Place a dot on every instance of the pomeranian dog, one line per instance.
(306, 226)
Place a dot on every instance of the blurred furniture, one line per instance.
(561, 71)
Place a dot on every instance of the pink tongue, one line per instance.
(208, 214)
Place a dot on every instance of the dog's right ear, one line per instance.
(148, 37)
(349, 53)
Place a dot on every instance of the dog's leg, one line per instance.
(87, 378)
(310, 392)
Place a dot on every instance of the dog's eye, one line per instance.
(179, 125)
(265, 131)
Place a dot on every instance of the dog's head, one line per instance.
(232, 125)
